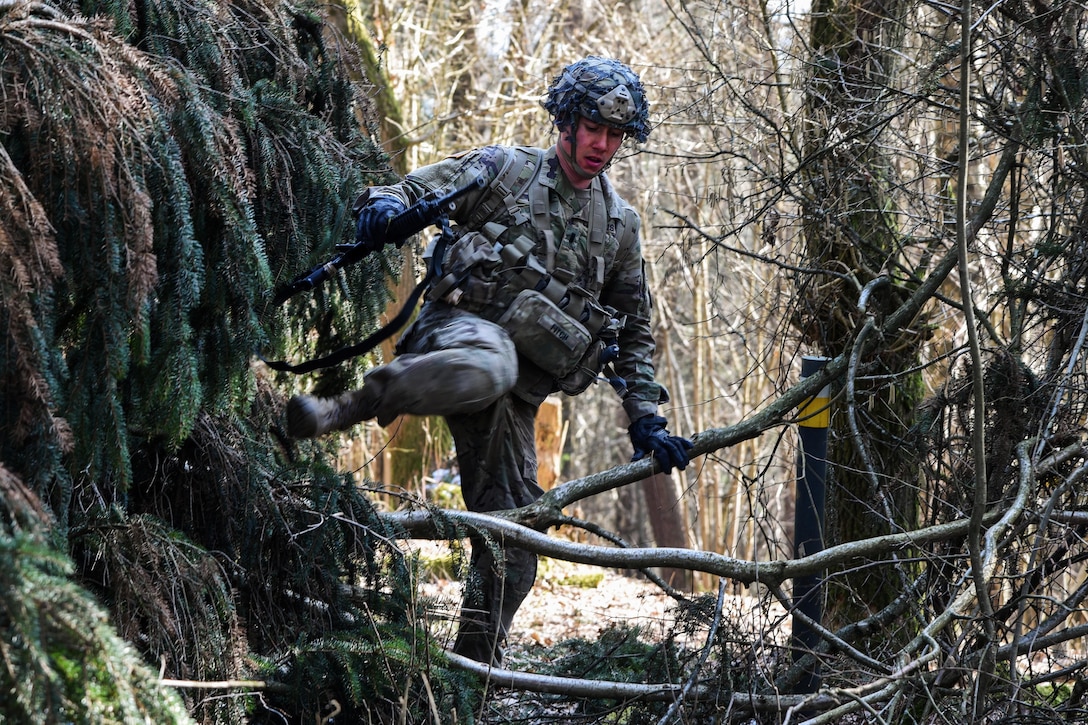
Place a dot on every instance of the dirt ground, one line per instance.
(575, 601)
(578, 601)
(567, 601)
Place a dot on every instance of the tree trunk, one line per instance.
(663, 502)
(850, 231)
(550, 434)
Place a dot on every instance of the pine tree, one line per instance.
(163, 167)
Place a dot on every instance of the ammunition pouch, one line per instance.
(470, 274)
(557, 343)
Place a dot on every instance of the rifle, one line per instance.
(411, 221)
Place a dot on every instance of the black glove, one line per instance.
(373, 220)
(648, 436)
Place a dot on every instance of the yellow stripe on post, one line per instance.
(816, 411)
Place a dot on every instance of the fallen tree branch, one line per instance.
(512, 527)
(569, 686)
(608, 690)
(507, 528)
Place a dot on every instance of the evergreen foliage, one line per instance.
(163, 167)
(64, 661)
(619, 654)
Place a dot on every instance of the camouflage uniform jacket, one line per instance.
(615, 276)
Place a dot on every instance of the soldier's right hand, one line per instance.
(373, 221)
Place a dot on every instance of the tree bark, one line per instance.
(851, 231)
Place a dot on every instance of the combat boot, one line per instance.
(309, 416)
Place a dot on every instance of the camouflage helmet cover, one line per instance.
(604, 91)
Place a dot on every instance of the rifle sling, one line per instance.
(361, 348)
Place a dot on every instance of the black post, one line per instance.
(808, 536)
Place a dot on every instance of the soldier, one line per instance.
(543, 286)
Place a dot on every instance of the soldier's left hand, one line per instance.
(649, 436)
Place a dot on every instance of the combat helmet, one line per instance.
(603, 90)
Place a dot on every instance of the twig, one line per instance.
(827, 634)
(226, 685)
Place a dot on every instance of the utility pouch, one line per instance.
(553, 340)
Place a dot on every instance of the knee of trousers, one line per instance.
(451, 381)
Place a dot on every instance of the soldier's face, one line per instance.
(587, 149)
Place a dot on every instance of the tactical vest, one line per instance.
(485, 255)
(559, 326)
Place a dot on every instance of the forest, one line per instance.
(897, 188)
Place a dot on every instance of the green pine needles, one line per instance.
(63, 659)
(178, 176)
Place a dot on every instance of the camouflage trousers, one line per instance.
(464, 368)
